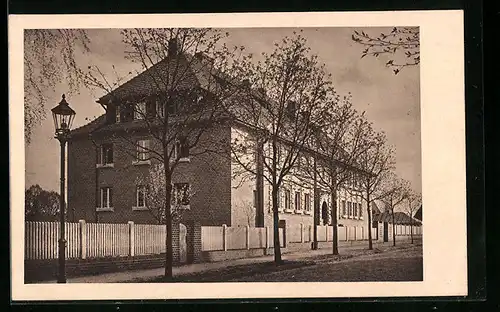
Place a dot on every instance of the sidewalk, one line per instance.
(121, 277)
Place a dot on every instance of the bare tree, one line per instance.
(375, 161)
(338, 144)
(286, 92)
(248, 209)
(49, 59)
(394, 191)
(402, 44)
(180, 96)
(413, 202)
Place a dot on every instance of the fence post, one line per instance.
(355, 230)
(82, 232)
(224, 237)
(248, 236)
(131, 238)
(301, 232)
(311, 233)
(326, 233)
(267, 237)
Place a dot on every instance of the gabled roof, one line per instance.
(418, 214)
(194, 71)
(90, 127)
(399, 218)
(375, 209)
(198, 72)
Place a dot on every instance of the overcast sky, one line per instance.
(391, 101)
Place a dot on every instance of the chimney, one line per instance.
(204, 59)
(291, 107)
(173, 47)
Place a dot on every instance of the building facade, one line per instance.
(107, 157)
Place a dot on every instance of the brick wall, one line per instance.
(208, 174)
(175, 243)
(194, 253)
(81, 180)
(42, 270)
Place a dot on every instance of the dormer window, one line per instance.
(160, 108)
(126, 113)
(140, 111)
(117, 112)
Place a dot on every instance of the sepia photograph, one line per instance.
(223, 155)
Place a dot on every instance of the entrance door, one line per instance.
(324, 213)
(182, 244)
(386, 232)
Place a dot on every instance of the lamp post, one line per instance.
(63, 117)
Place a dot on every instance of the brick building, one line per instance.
(103, 172)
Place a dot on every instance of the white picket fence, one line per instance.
(97, 240)
(325, 233)
(222, 238)
(406, 230)
(93, 240)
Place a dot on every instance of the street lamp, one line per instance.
(63, 117)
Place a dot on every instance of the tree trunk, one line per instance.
(393, 228)
(368, 210)
(276, 236)
(315, 208)
(411, 228)
(335, 247)
(168, 222)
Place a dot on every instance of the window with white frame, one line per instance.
(344, 209)
(142, 150)
(349, 209)
(105, 154)
(355, 209)
(307, 202)
(140, 110)
(360, 210)
(181, 148)
(106, 198)
(182, 194)
(160, 108)
(140, 196)
(117, 113)
(297, 201)
(287, 199)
